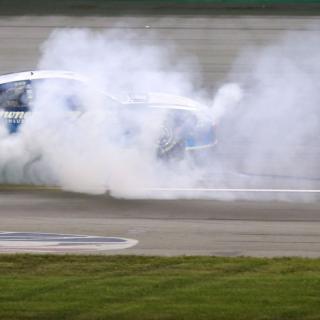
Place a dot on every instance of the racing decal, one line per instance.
(53, 242)
(13, 116)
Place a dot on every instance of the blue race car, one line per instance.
(186, 127)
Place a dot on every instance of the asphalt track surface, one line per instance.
(169, 227)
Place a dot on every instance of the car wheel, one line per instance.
(170, 145)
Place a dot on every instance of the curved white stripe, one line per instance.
(236, 190)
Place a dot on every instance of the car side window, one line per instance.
(15, 102)
(15, 96)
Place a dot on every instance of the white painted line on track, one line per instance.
(236, 190)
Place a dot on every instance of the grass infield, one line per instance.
(134, 287)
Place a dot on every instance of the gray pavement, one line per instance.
(167, 227)
(170, 227)
(213, 40)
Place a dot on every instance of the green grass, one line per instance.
(133, 287)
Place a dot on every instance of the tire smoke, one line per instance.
(267, 121)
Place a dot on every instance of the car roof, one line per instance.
(154, 99)
(40, 74)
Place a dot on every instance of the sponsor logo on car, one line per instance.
(13, 116)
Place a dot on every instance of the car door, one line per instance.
(15, 103)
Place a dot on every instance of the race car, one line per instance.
(186, 127)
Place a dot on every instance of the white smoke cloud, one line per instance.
(267, 121)
(87, 151)
(227, 97)
(278, 121)
(117, 62)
